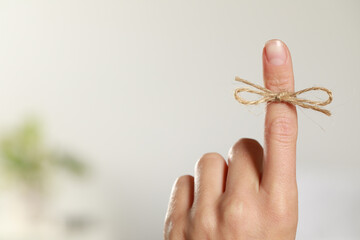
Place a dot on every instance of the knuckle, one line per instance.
(183, 180)
(203, 222)
(211, 158)
(245, 143)
(232, 210)
(282, 130)
(248, 141)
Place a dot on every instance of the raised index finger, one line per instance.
(280, 121)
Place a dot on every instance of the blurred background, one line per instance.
(105, 103)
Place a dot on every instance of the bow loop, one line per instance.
(319, 103)
(242, 100)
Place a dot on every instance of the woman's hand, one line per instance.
(254, 195)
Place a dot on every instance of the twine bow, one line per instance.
(284, 96)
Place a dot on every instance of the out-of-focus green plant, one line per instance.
(26, 160)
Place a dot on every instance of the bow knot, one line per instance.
(283, 96)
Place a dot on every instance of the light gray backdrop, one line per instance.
(143, 88)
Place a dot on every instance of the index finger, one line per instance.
(280, 121)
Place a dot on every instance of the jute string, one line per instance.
(283, 96)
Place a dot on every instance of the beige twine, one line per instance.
(284, 96)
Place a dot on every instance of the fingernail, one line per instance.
(275, 52)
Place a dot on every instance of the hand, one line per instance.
(254, 195)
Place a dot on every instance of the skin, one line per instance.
(254, 194)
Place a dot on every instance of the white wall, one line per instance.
(144, 88)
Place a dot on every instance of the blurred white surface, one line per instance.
(144, 88)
